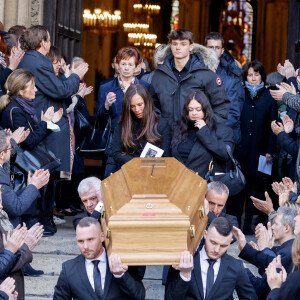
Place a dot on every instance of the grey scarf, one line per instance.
(4, 221)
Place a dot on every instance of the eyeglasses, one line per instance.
(10, 148)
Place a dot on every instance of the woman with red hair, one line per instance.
(111, 94)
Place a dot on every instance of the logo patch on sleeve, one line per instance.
(219, 81)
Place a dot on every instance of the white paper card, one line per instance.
(152, 151)
(263, 166)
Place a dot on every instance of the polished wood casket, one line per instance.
(154, 210)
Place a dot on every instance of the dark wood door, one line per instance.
(63, 18)
(293, 46)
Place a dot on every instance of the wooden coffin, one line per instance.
(154, 210)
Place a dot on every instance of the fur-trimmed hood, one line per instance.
(209, 56)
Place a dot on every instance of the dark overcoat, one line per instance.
(257, 136)
(52, 91)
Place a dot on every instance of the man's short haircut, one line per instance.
(217, 186)
(3, 140)
(222, 225)
(31, 39)
(88, 221)
(288, 215)
(75, 61)
(89, 183)
(11, 41)
(18, 30)
(181, 34)
(214, 36)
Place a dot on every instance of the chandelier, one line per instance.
(99, 21)
(142, 39)
(139, 33)
(136, 27)
(149, 8)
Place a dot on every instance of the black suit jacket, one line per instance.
(232, 275)
(77, 218)
(73, 283)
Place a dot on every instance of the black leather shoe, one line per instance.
(28, 270)
(48, 224)
(48, 233)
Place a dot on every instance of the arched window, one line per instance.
(236, 26)
(175, 15)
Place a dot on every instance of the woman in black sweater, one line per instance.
(198, 139)
(138, 124)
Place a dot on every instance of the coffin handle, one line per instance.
(201, 212)
(192, 231)
(107, 233)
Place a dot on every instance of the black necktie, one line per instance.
(97, 279)
(210, 277)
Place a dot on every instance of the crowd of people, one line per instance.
(195, 104)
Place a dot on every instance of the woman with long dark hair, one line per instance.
(198, 139)
(138, 124)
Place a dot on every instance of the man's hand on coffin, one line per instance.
(115, 265)
(186, 264)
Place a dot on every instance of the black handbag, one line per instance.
(17, 178)
(95, 144)
(38, 158)
(234, 179)
(82, 128)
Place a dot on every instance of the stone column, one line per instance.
(10, 13)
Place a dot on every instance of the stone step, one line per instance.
(38, 298)
(42, 286)
(51, 264)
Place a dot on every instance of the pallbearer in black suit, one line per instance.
(211, 273)
(92, 275)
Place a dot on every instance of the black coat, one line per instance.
(52, 91)
(232, 275)
(209, 144)
(21, 118)
(257, 136)
(73, 283)
(169, 94)
(117, 148)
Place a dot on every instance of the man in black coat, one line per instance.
(90, 193)
(231, 76)
(107, 278)
(51, 91)
(16, 203)
(182, 73)
(216, 196)
(211, 273)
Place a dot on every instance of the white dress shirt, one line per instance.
(102, 268)
(204, 268)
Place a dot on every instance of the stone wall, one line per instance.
(21, 12)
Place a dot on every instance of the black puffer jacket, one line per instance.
(169, 95)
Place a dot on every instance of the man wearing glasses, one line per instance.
(17, 203)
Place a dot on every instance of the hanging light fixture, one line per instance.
(101, 21)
